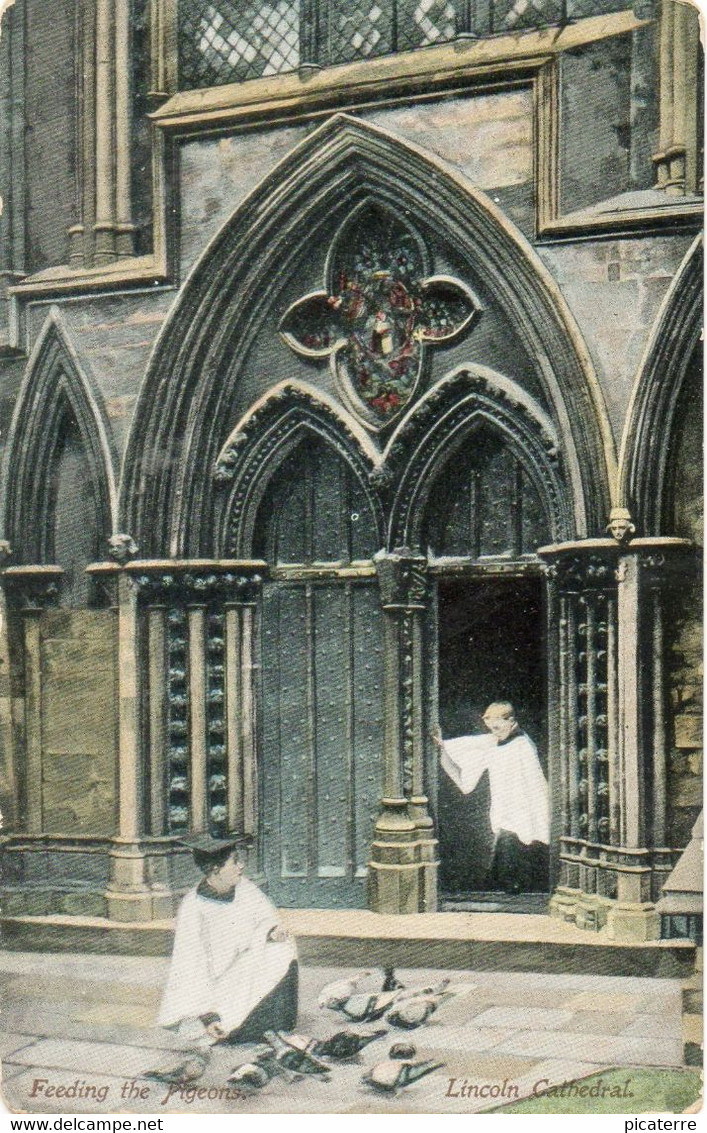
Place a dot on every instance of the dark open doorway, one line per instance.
(491, 647)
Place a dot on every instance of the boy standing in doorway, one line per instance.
(519, 813)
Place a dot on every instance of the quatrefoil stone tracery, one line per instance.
(379, 315)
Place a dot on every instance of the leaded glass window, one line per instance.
(227, 41)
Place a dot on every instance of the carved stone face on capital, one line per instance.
(379, 315)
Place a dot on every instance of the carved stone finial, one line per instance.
(122, 547)
(5, 552)
(620, 526)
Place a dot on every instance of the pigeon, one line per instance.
(368, 1006)
(390, 980)
(188, 1071)
(299, 1042)
(394, 1074)
(291, 1056)
(344, 1044)
(412, 1013)
(250, 1076)
(402, 1050)
(334, 995)
(416, 992)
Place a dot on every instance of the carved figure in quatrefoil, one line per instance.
(379, 314)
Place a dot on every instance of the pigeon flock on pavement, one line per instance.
(291, 1056)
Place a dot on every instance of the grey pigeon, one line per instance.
(368, 1006)
(393, 1074)
(402, 1050)
(344, 1044)
(250, 1076)
(189, 1070)
(292, 1056)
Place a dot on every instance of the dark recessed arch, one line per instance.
(56, 411)
(262, 443)
(166, 494)
(646, 446)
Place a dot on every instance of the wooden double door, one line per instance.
(321, 642)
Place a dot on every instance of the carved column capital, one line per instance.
(402, 578)
(184, 583)
(33, 587)
(589, 564)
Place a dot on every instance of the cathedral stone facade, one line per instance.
(350, 379)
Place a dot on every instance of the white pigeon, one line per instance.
(417, 992)
(410, 1013)
(335, 994)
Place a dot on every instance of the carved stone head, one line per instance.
(122, 547)
(620, 526)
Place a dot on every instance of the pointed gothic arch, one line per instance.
(55, 403)
(166, 492)
(262, 441)
(645, 448)
(471, 398)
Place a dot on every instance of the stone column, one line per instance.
(164, 63)
(104, 230)
(12, 150)
(676, 161)
(136, 890)
(11, 704)
(29, 590)
(403, 866)
(613, 857)
(157, 700)
(240, 714)
(198, 764)
(309, 37)
(196, 626)
(129, 896)
(124, 227)
(104, 225)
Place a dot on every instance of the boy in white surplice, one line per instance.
(234, 971)
(519, 796)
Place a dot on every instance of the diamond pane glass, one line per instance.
(517, 15)
(421, 22)
(228, 41)
(359, 29)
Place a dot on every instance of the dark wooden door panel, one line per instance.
(321, 754)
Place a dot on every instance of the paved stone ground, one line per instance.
(89, 1020)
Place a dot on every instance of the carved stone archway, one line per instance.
(166, 493)
(645, 448)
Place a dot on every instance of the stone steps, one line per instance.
(481, 941)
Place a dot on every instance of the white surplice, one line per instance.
(519, 796)
(222, 961)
